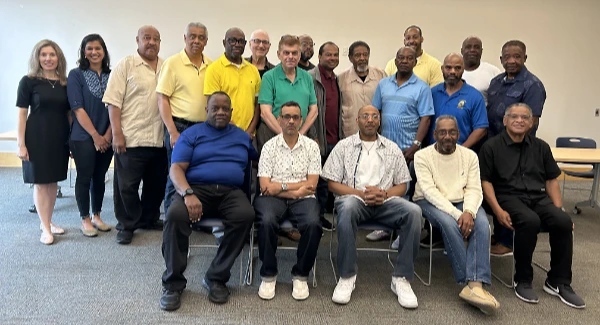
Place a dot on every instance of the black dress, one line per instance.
(47, 130)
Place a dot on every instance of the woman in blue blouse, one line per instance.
(91, 135)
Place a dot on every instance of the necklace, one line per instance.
(52, 84)
(368, 149)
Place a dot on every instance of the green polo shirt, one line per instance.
(276, 89)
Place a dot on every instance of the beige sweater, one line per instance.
(446, 179)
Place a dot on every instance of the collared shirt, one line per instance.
(85, 89)
(284, 165)
(131, 88)
(268, 66)
(332, 105)
(242, 84)
(356, 94)
(341, 166)
(428, 69)
(525, 87)
(481, 77)
(402, 107)
(215, 156)
(467, 105)
(183, 82)
(276, 89)
(517, 168)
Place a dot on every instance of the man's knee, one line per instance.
(265, 214)
(177, 212)
(412, 212)
(529, 221)
(562, 222)
(347, 208)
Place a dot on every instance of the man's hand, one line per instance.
(305, 190)
(194, 207)
(118, 143)
(504, 219)
(466, 224)
(173, 138)
(379, 195)
(409, 153)
(273, 189)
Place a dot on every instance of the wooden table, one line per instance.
(585, 156)
(8, 136)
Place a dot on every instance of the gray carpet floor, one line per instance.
(82, 280)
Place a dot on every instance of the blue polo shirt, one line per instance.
(216, 156)
(402, 107)
(525, 87)
(467, 105)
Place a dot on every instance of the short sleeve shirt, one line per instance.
(276, 89)
(284, 165)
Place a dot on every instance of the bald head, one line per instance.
(452, 69)
(453, 57)
(406, 59)
(368, 120)
(471, 50)
(260, 43)
(148, 41)
(260, 34)
(233, 30)
(406, 50)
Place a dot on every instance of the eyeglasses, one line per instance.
(524, 117)
(443, 133)
(233, 41)
(375, 117)
(288, 117)
(260, 41)
(307, 44)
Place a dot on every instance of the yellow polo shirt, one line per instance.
(428, 69)
(241, 83)
(183, 83)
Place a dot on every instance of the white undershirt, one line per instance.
(368, 171)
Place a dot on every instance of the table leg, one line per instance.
(594, 199)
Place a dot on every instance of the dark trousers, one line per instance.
(304, 215)
(322, 188)
(263, 134)
(181, 125)
(145, 164)
(528, 216)
(91, 168)
(232, 206)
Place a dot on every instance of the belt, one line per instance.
(184, 121)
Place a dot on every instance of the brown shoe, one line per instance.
(293, 235)
(500, 250)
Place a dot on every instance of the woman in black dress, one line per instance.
(43, 130)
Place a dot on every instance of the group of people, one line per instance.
(190, 129)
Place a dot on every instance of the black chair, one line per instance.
(582, 143)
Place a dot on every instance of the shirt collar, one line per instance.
(268, 65)
(186, 60)
(137, 61)
(510, 142)
(461, 91)
(281, 142)
(411, 80)
(357, 142)
(225, 61)
(323, 73)
(522, 75)
(282, 76)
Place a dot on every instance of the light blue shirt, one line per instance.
(402, 107)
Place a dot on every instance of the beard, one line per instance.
(362, 68)
(304, 57)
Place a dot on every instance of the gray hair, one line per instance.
(445, 117)
(197, 25)
(507, 110)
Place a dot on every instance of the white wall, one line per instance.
(561, 37)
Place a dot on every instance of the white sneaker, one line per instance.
(300, 290)
(396, 243)
(378, 235)
(267, 290)
(343, 290)
(406, 296)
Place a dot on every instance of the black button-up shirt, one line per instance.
(517, 168)
(268, 66)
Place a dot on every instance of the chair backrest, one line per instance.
(575, 142)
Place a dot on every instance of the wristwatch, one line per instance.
(417, 143)
(187, 192)
(284, 187)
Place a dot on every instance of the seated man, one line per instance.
(288, 171)
(519, 179)
(449, 193)
(208, 164)
(370, 187)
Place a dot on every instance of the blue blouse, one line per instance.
(85, 89)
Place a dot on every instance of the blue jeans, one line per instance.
(396, 213)
(472, 263)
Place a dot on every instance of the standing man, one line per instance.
(137, 130)
(457, 98)
(328, 124)
(370, 187)
(519, 179)
(180, 87)
(477, 74)
(307, 51)
(259, 46)
(288, 172)
(515, 85)
(357, 85)
(427, 67)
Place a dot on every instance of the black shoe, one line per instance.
(32, 209)
(157, 225)
(217, 291)
(565, 293)
(524, 291)
(327, 226)
(437, 240)
(170, 300)
(124, 237)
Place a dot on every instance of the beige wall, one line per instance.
(561, 37)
